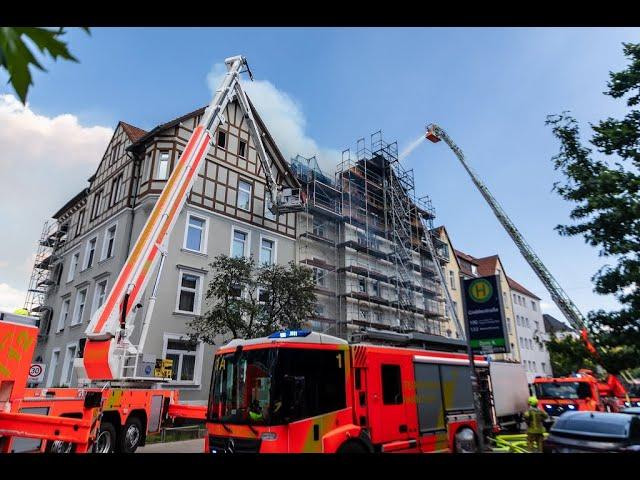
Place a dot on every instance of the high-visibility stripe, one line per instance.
(142, 243)
(172, 213)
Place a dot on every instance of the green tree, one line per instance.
(16, 56)
(246, 300)
(604, 183)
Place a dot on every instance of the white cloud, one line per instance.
(11, 298)
(284, 118)
(44, 161)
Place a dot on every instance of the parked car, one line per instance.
(582, 432)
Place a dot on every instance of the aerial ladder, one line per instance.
(435, 133)
(113, 409)
(108, 352)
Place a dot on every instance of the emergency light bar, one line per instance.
(290, 333)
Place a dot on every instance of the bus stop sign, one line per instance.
(484, 315)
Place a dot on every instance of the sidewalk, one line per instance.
(184, 446)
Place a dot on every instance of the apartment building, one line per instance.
(480, 267)
(83, 250)
(362, 233)
(453, 274)
(531, 331)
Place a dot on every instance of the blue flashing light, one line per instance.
(290, 334)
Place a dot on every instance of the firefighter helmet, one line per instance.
(533, 401)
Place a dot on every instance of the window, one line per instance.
(114, 153)
(268, 214)
(242, 147)
(146, 174)
(81, 299)
(80, 222)
(196, 234)
(107, 246)
(474, 269)
(543, 365)
(375, 287)
(452, 280)
(527, 320)
(319, 275)
(363, 314)
(116, 190)
(362, 285)
(318, 227)
(239, 244)
(244, 195)
(96, 206)
(163, 166)
(67, 368)
(537, 324)
(64, 313)
(267, 251)
(391, 385)
(73, 266)
(53, 364)
(533, 305)
(515, 298)
(222, 139)
(91, 251)
(189, 293)
(99, 295)
(186, 358)
(263, 295)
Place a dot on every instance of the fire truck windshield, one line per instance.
(275, 386)
(565, 390)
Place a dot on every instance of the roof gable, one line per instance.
(519, 288)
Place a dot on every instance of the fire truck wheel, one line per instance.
(131, 435)
(106, 441)
(352, 447)
(465, 441)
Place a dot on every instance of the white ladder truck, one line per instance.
(114, 407)
(108, 353)
(565, 304)
(434, 133)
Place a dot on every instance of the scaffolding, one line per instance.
(46, 273)
(365, 228)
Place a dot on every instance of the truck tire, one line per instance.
(131, 435)
(58, 446)
(465, 441)
(106, 440)
(352, 447)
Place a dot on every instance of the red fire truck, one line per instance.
(120, 404)
(582, 391)
(301, 391)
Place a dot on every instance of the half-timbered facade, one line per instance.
(226, 213)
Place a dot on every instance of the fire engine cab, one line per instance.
(302, 391)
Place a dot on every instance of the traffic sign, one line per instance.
(36, 372)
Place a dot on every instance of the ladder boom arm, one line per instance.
(111, 325)
(561, 299)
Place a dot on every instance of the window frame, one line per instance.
(199, 354)
(86, 252)
(247, 243)
(65, 301)
(160, 160)
(79, 222)
(115, 198)
(105, 241)
(274, 249)
(242, 152)
(96, 206)
(398, 387)
(52, 371)
(267, 213)
(221, 134)
(76, 306)
(68, 366)
(94, 305)
(250, 194)
(204, 236)
(73, 269)
(197, 301)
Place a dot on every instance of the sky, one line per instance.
(319, 90)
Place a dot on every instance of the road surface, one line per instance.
(184, 446)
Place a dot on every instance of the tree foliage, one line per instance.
(16, 56)
(604, 183)
(568, 355)
(246, 300)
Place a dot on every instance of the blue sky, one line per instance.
(491, 89)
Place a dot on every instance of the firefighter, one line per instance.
(535, 428)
